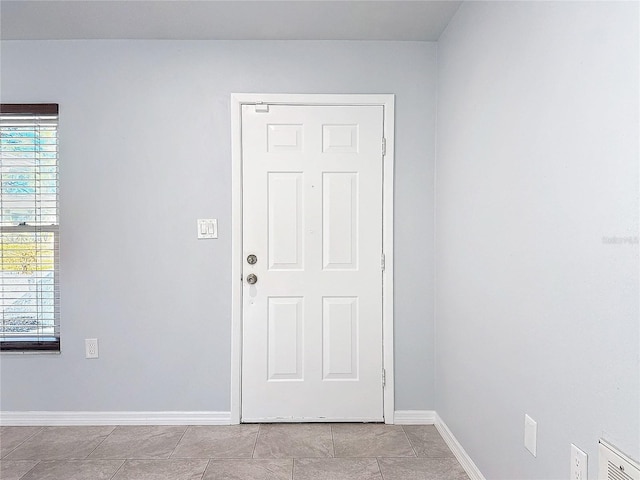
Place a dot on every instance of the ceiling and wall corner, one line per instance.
(224, 20)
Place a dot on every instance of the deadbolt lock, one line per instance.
(252, 259)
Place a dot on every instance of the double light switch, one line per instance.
(207, 228)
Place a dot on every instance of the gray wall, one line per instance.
(537, 163)
(144, 152)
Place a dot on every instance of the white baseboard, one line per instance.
(114, 418)
(465, 460)
(414, 417)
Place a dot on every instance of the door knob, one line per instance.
(252, 279)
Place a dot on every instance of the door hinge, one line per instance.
(262, 107)
(382, 262)
(384, 378)
(384, 146)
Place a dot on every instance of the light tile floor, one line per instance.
(235, 452)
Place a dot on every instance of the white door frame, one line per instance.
(239, 99)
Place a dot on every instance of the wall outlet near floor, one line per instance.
(91, 347)
(578, 464)
(530, 434)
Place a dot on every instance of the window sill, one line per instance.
(30, 352)
(31, 345)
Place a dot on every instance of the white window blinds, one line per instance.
(29, 224)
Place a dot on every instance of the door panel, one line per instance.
(285, 338)
(340, 338)
(285, 222)
(340, 220)
(312, 215)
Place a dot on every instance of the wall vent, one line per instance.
(615, 465)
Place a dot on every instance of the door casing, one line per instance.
(239, 99)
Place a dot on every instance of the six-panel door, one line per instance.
(312, 216)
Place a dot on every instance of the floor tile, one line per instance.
(310, 451)
(15, 469)
(249, 469)
(336, 469)
(426, 441)
(173, 469)
(74, 470)
(229, 441)
(421, 469)
(294, 441)
(11, 437)
(60, 443)
(140, 442)
(366, 440)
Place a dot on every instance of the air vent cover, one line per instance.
(615, 465)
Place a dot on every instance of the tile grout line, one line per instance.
(117, 470)
(255, 442)
(380, 468)
(28, 471)
(206, 467)
(181, 437)
(4, 457)
(333, 442)
(99, 443)
(415, 454)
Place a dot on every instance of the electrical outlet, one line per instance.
(91, 347)
(578, 464)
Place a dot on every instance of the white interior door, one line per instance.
(312, 217)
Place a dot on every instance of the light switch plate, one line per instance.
(207, 228)
(530, 434)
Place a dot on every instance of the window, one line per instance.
(29, 260)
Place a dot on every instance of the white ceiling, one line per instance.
(225, 20)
